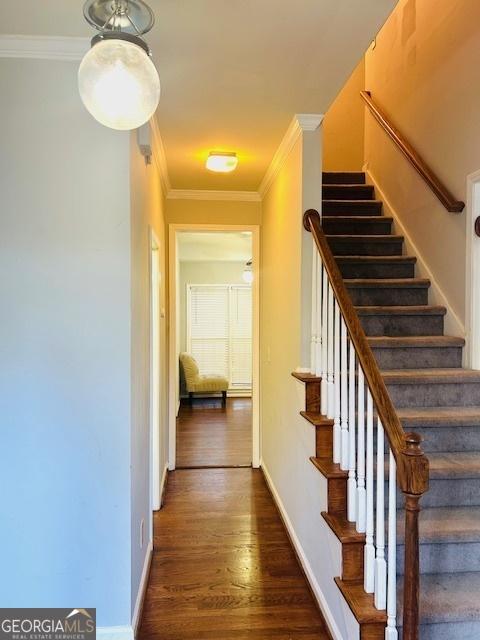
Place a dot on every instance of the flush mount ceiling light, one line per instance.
(221, 161)
(117, 80)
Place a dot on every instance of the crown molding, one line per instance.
(300, 123)
(159, 157)
(43, 47)
(204, 194)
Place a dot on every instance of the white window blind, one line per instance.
(219, 331)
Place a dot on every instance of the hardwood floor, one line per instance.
(223, 567)
(210, 436)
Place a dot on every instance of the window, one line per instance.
(219, 331)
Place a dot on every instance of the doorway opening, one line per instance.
(214, 414)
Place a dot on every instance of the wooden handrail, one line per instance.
(412, 464)
(435, 184)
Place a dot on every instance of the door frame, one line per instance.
(472, 280)
(173, 367)
(155, 371)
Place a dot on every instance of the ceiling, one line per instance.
(233, 72)
(207, 246)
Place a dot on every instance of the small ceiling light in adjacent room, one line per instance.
(117, 80)
(222, 162)
(247, 274)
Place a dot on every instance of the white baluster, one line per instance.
(324, 384)
(318, 344)
(391, 632)
(330, 343)
(352, 480)
(361, 493)
(369, 562)
(313, 342)
(343, 395)
(380, 563)
(337, 442)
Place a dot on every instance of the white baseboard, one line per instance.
(115, 633)
(453, 325)
(322, 603)
(137, 612)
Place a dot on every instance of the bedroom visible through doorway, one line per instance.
(214, 348)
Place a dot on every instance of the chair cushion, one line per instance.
(209, 383)
(190, 369)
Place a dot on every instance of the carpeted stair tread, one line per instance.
(431, 376)
(412, 417)
(454, 465)
(376, 259)
(394, 283)
(447, 597)
(445, 525)
(342, 201)
(424, 309)
(365, 238)
(402, 342)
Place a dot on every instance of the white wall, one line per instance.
(78, 203)
(65, 347)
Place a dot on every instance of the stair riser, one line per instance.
(356, 177)
(359, 192)
(352, 247)
(448, 439)
(444, 558)
(451, 492)
(402, 325)
(388, 296)
(448, 492)
(434, 394)
(448, 631)
(368, 227)
(333, 207)
(366, 270)
(418, 357)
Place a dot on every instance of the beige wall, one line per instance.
(288, 440)
(213, 212)
(423, 73)
(147, 213)
(215, 272)
(343, 126)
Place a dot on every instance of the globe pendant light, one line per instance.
(117, 80)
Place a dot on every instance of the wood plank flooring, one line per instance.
(209, 436)
(223, 567)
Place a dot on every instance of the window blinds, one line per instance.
(219, 331)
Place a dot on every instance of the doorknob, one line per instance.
(477, 226)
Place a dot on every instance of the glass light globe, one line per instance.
(119, 84)
(247, 276)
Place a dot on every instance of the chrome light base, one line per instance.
(132, 17)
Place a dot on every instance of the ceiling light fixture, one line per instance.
(117, 80)
(247, 274)
(221, 161)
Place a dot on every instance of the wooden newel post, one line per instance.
(418, 484)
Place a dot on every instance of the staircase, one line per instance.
(434, 396)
